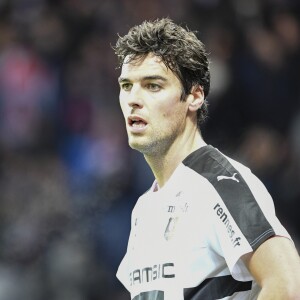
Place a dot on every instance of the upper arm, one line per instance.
(275, 265)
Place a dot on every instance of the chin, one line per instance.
(141, 147)
(136, 146)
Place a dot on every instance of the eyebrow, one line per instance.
(150, 77)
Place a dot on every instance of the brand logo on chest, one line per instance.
(178, 207)
(170, 229)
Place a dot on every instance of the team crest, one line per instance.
(169, 232)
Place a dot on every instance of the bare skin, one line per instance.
(151, 91)
(275, 265)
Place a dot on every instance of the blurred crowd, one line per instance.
(68, 178)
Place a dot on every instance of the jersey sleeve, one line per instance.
(240, 208)
(243, 218)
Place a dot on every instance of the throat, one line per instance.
(162, 168)
(163, 164)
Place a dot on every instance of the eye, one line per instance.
(126, 86)
(153, 87)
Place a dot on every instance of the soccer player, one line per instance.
(206, 229)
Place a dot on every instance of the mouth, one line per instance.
(136, 123)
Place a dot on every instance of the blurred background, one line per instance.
(67, 176)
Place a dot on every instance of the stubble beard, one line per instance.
(154, 147)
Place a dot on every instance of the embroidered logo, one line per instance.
(178, 194)
(171, 208)
(169, 232)
(228, 177)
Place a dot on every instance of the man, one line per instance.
(207, 228)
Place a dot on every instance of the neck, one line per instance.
(163, 165)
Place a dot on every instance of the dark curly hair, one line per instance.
(179, 48)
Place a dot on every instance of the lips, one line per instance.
(136, 123)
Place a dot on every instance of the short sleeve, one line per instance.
(243, 218)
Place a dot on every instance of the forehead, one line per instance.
(149, 65)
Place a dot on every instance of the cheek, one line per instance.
(171, 107)
(122, 104)
(166, 114)
(175, 110)
(124, 113)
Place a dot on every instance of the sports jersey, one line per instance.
(187, 238)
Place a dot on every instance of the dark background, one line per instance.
(67, 176)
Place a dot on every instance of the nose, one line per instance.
(135, 97)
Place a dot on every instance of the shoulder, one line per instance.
(212, 164)
(241, 194)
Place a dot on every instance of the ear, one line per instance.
(195, 98)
